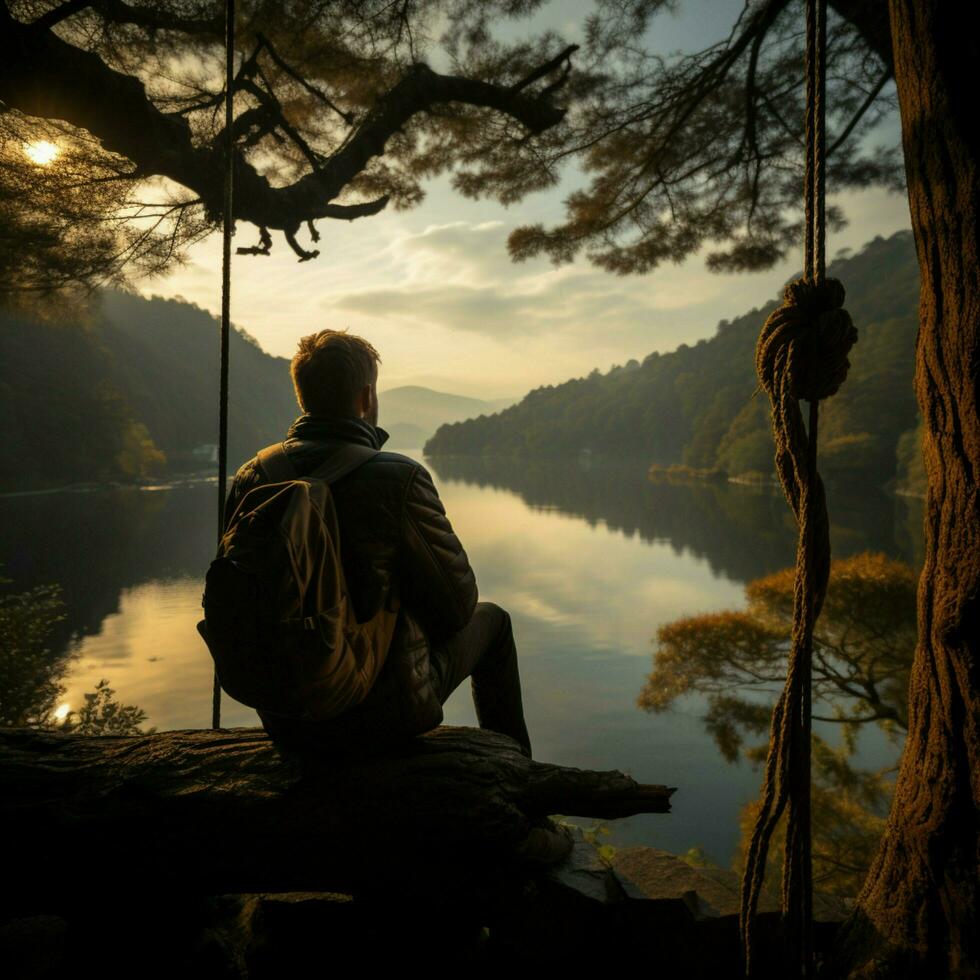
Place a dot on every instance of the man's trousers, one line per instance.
(484, 650)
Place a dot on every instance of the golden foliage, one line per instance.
(863, 646)
(862, 649)
(696, 653)
(848, 808)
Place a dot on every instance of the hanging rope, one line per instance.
(801, 354)
(226, 233)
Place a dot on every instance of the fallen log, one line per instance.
(213, 812)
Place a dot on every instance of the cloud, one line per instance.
(458, 276)
(436, 291)
(482, 310)
(461, 251)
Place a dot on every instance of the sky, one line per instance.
(435, 292)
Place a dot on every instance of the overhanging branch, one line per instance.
(118, 12)
(43, 75)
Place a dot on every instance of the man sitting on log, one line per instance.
(398, 550)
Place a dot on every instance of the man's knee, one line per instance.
(495, 615)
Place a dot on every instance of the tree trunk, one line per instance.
(918, 912)
(212, 812)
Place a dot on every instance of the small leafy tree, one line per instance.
(862, 653)
(31, 672)
(848, 807)
(102, 714)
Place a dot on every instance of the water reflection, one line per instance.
(32, 674)
(743, 531)
(99, 544)
(674, 550)
(589, 559)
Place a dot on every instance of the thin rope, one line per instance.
(809, 133)
(819, 164)
(801, 355)
(226, 230)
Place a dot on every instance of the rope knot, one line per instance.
(807, 340)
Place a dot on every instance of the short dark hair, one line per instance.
(329, 371)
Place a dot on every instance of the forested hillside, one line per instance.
(165, 357)
(129, 390)
(698, 405)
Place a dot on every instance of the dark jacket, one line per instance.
(395, 539)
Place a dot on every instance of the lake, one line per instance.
(590, 558)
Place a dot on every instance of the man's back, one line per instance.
(397, 548)
(396, 543)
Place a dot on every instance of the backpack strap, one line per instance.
(276, 465)
(344, 461)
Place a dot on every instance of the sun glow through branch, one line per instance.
(41, 152)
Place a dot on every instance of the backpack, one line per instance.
(278, 619)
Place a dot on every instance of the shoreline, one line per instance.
(676, 473)
(92, 486)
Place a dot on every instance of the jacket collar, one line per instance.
(322, 428)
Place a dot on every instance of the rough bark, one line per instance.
(210, 812)
(919, 909)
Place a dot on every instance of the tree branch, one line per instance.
(856, 118)
(272, 110)
(715, 73)
(870, 19)
(562, 60)
(57, 14)
(77, 86)
(156, 18)
(263, 248)
(295, 75)
(348, 212)
(304, 256)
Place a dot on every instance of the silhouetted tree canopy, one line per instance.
(706, 148)
(337, 113)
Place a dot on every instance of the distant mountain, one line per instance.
(698, 406)
(131, 390)
(411, 414)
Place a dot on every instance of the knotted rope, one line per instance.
(801, 355)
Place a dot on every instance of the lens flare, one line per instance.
(41, 151)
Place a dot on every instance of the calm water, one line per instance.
(589, 560)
